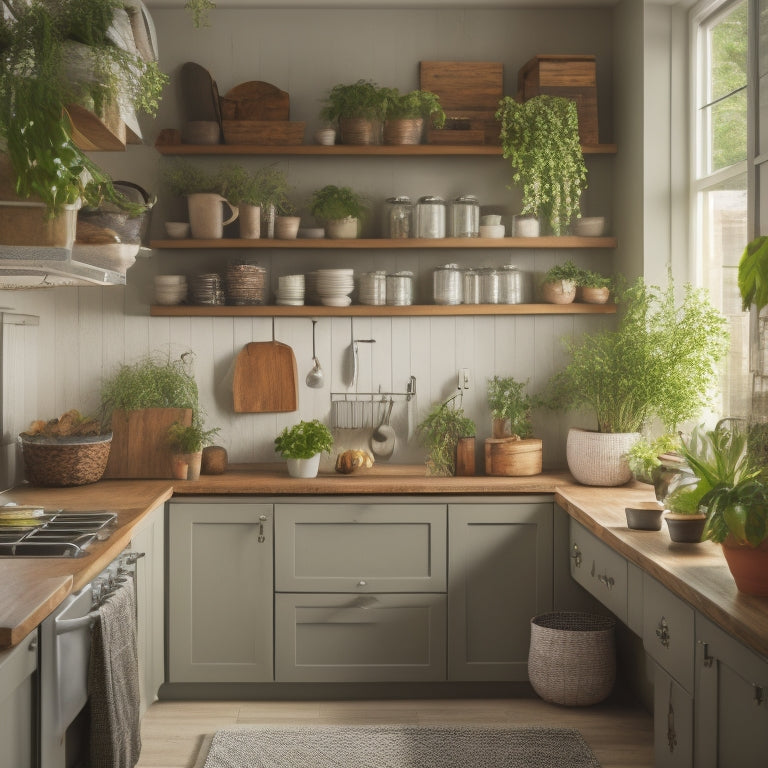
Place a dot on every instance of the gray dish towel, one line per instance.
(113, 683)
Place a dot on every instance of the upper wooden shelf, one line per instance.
(365, 310)
(401, 150)
(385, 243)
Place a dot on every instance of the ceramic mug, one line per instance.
(206, 215)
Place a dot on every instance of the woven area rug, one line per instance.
(395, 746)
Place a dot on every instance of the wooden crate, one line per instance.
(571, 76)
(263, 132)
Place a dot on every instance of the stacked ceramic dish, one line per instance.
(170, 289)
(334, 286)
(290, 290)
(207, 289)
(246, 284)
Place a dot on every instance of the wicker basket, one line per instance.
(64, 461)
(572, 658)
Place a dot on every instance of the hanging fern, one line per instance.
(540, 138)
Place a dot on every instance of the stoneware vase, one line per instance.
(304, 467)
(558, 291)
(250, 221)
(599, 458)
(287, 227)
(342, 229)
(206, 215)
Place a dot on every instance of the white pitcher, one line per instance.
(206, 215)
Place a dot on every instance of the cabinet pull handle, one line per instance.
(663, 633)
(757, 694)
(576, 556)
(606, 580)
(707, 660)
(671, 734)
(262, 520)
(32, 644)
(362, 583)
(592, 572)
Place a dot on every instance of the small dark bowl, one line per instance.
(686, 529)
(644, 517)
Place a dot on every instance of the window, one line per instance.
(720, 178)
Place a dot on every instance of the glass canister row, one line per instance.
(430, 217)
(453, 284)
(380, 288)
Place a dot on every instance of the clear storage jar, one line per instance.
(471, 287)
(489, 286)
(465, 217)
(398, 217)
(510, 285)
(447, 284)
(430, 217)
(400, 289)
(373, 288)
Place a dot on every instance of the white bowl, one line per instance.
(491, 230)
(178, 230)
(589, 226)
(170, 280)
(490, 219)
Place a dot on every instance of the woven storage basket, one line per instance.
(65, 461)
(572, 658)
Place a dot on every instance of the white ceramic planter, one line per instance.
(250, 222)
(304, 467)
(599, 458)
(341, 229)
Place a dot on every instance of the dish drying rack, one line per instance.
(362, 410)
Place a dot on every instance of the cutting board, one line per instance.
(256, 100)
(265, 378)
(199, 94)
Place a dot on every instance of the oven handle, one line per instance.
(70, 625)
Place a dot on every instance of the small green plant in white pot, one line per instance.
(339, 209)
(301, 446)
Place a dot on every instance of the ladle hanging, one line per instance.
(315, 377)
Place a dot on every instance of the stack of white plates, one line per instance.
(170, 289)
(334, 286)
(290, 290)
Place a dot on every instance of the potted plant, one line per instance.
(141, 401)
(405, 114)
(301, 446)
(540, 138)
(643, 456)
(442, 429)
(559, 283)
(339, 209)
(592, 287)
(511, 450)
(37, 85)
(248, 190)
(661, 361)
(358, 108)
(187, 442)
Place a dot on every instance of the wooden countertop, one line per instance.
(696, 572)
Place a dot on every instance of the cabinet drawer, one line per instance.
(600, 570)
(359, 638)
(668, 631)
(360, 547)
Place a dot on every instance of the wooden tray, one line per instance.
(263, 132)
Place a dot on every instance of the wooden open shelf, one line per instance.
(364, 310)
(385, 243)
(370, 150)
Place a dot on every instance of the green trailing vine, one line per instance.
(198, 10)
(540, 138)
(441, 431)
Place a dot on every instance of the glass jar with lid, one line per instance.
(373, 288)
(465, 217)
(471, 287)
(510, 285)
(430, 217)
(447, 284)
(489, 285)
(398, 217)
(400, 289)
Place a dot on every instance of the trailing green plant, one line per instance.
(441, 430)
(661, 360)
(508, 400)
(190, 438)
(153, 381)
(331, 203)
(588, 279)
(643, 456)
(566, 271)
(413, 105)
(304, 440)
(753, 274)
(360, 99)
(540, 138)
(198, 10)
(37, 40)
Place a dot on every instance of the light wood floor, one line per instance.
(620, 735)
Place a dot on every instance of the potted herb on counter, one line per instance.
(187, 442)
(443, 428)
(301, 446)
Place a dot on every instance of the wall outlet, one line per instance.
(464, 378)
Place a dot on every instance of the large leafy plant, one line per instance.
(662, 360)
(414, 105)
(540, 138)
(441, 430)
(331, 203)
(360, 99)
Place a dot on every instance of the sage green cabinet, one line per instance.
(148, 540)
(220, 591)
(17, 704)
(731, 701)
(672, 722)
(500, 575)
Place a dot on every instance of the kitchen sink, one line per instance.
(57, 534)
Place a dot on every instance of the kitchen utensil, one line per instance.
(353, 360)
(315, 376)
(265, 378)
(383, 437)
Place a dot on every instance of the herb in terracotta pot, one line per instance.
(559, 283)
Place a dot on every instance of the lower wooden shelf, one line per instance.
(365, 310)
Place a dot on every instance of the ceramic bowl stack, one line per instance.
(290, 290)
(170, 289)
(206, 289)
(334, 286)
(246, 284)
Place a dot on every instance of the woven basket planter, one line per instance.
(403, 131)
(599, 458)
(358, 130)
(65, 461)
(572, 658)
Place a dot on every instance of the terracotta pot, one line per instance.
(342, 229)
(250, 222)
(685, 529)
(179, 466)
(748, 566)
(501, 428)
(465, 457)
(558, 292)
(403, 131)
(594, 295)
(287, 227)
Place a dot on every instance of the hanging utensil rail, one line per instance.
(358, 410)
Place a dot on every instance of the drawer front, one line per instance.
(669, 631)
(360, 547)
(360, 638)
(600, 570)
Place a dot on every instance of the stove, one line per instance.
(57, 534)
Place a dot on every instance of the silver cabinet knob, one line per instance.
(362, 583)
